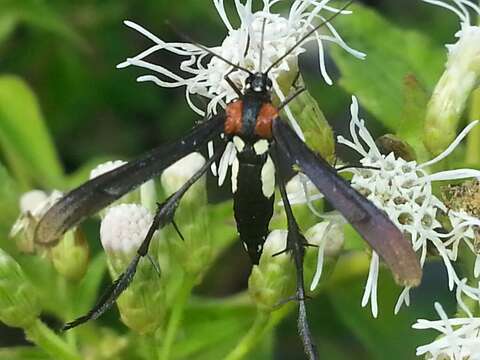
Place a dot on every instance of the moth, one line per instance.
(261, 137)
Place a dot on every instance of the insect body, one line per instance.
(249, 121)
(260, 137)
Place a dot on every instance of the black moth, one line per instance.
(252, 122)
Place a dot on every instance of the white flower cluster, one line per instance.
(403, 189)
(242, 46)
(459, 340)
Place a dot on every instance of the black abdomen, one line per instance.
(253, 210)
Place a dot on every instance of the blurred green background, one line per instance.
(66, 51)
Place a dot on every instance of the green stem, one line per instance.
(50, 342)
(176, 318)
(65, 287)
(150, 345)
(473, 139)
(262, 324)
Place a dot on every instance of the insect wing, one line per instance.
(372, 223)
(101, 191)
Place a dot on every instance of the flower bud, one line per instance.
(452, 91)
(70, 256)
(306, 114)
(389, 143)
(146, 194)
(19, 305)
(301, 190)
(176, 175)
(122, 231)
(33, 205)
(273, 279)
(328, 237)
(194, 254)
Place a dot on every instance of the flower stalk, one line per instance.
(52, 344)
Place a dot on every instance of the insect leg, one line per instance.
(291, 97)
(164, 215)
(233, 85)
(296, 244)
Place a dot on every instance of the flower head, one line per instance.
(403, 189)
(33, 205)
(459, 340)
(122, 230)
(242, 46)
(460, 78)
(124, 227)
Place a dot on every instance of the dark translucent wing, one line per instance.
(101, 191)
(372, 223)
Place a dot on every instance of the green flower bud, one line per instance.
(273, 279)
(452, 91)
(194, 254)
(70, 256)
(19, 305)
(122, 230)
(315, 127)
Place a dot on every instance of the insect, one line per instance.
(261, 138)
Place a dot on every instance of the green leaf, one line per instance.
(39, 14)
(392, 54)
(8, 21)
(8, 202)
(224, 324)
(24, 139)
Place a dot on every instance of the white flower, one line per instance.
(460, 78)
(403, 189)
(177, 174)
(106, 167)
(242, 46)
(124, 228)
(460, 339)
(33, 205)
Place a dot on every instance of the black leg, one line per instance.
(290, 97)
(164, 215)
(232, 84)
(296, 244)
(298, 91)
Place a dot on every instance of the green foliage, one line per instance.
(401, 67)
(24, 139)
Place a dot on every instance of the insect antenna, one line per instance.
(307, 35)
(262, 42)
(187, 38)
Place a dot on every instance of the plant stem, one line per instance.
(150, 345)
(176, 317)
(473, 139)
(50, 342)
(263, 323)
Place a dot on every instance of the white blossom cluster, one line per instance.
(243, 46)
(403, 189)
